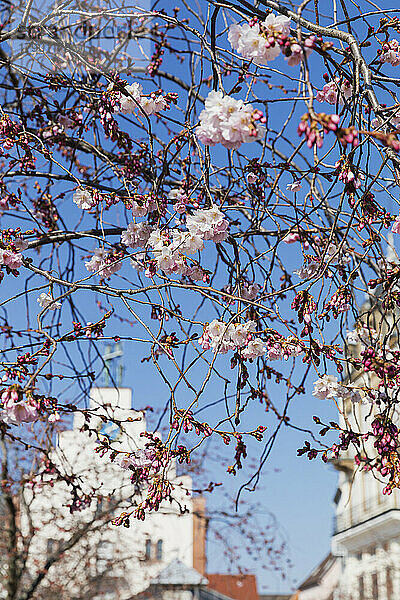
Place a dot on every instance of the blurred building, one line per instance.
(365, 559)
(242, 586)
(127, 559)
(366, 538)
(179, 582)
(322, 582)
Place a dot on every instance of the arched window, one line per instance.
(159, 550)
(148, 549)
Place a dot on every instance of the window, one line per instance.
(105, 552)
(99, 506)
(52, 546)
(159, 550)
(148, 549)
(375, 590)
(361, 593)
(389, 584)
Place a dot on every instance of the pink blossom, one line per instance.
(13, 260)
(291, 237)
(294, 187)
(252, 178)
(396, 225)
(228, 121)
(103, 264)
(391, 53)
(17, 411)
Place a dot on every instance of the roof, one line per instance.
(178, 574)
(318, 573)
(238, 587)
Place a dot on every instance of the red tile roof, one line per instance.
(238, 587)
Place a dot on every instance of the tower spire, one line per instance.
(113, 365)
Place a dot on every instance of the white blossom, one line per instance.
(294, 187)
(227, 121)
(47, 301)
(308, 269)
(84, 199)
(129, 103)
(326, 387)
(254, 349)
(258, 42)
(136, 235)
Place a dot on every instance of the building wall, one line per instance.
(367, 528)
(325, 585)
(124, 547)
(199, 534)
(372, 574)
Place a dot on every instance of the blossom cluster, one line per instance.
(309, 269)
(391, 53)
(17, 410)
(334, 91)
(133, 99)
(104, 263)
(218, 335)
(171, 246)
(328, 387)
(263, 41)
(259, 42)
(136, 235)
(279, 347)
(228, 121)
(140, 459)
(350, 175)
(247, 291)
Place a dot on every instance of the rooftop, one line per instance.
(238, 587)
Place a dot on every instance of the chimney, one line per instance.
(200, 525)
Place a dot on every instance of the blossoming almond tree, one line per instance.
(224, 208)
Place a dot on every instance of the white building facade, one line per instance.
(366, 539)
(120, 561)
(365, 548)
